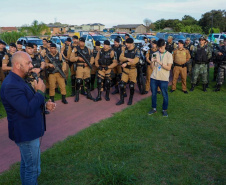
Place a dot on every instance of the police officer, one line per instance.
(222, 66)
(149, 69)
(2, 54)
(117, 69)
(180, 57)
(170, 45)
(190, 48)
(126, 37)
(72, 65)
(216, 59)
(35, 47)
(19, 46)
(44, 46)
(37, 61)
(54, 74)
(128, 58)
(105, 61)
(201, 55)
(64, 52)
(96, 49)
(6, 61)
(83, 70)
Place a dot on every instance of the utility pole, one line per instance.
(212, 27)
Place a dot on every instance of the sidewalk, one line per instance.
(65, 121)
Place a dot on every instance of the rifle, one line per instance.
(84, 58)
(57, 68)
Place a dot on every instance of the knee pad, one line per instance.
(87, 80)
(131, 85)
(79, 81)
(107, 82)
(122, 85)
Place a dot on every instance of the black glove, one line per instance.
(100, 68)
(106, 68)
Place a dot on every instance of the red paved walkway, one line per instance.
(66, 120)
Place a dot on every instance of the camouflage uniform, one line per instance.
(201, 59)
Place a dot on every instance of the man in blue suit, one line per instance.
(25, 107)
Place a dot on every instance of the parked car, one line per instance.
(30, 39)
(141, 37)
(122, 37)
(177, 37)
(59, 41)
(90, 40)
(216, 37)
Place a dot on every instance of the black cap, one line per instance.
(53, 45)
(75, 37)
(97, 43)
(202, 38)
(181, 41)
(145, 38)
(49, 41)
(82, 39)
(107, 42)
(127, 35)
(19, 42)
(129, 40)
(45, 40)
(2, 42)
(30, 45)
(154, 42)
(117, 40)
(13, 45)
(69, 39)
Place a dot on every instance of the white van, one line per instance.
(216, 37)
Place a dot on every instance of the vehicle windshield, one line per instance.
(99, 37)
(38, 42)
(63, 40)
(179, 36)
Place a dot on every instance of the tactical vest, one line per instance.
(72, 46)
(130, 54)
(10, 60)
(105, 58)
(188, 48)
(36, 61)
(2, 54)
(201, 55)
(47, 51)
(65, 50)
(170, 47)
(118, 51)
(95, 52)
(57, 60)
(223, 51)
(85, 52)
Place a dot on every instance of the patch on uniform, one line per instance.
(184, 53)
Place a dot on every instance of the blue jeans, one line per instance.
(30, 162)
(164, 88)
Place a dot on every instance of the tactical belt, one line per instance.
(183, 65)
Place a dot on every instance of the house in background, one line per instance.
(131, 28)
(7, 29)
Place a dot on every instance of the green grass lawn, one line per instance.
(131, 147)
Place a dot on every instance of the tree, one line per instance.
(188, 20)
(11, 37)
(36, 28)
(219, 20)
(147, 23)
(160, 24)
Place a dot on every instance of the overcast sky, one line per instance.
(107, 12)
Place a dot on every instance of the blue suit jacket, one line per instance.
(24, 108)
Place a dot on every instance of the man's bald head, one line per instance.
(21, 63)
(19, 57)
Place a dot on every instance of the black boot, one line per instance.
(64, 99)
(83, 92)
(93, 76)
(217, 88)
(52, 98)
(72, 91)
(204, 87)
(98, 98)
(107, 95)
(207, 85)
(76, 95)
(131, 97)
(121, 101)
(192, 87)
(116, 91)
(47, 91)
(89, 96)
